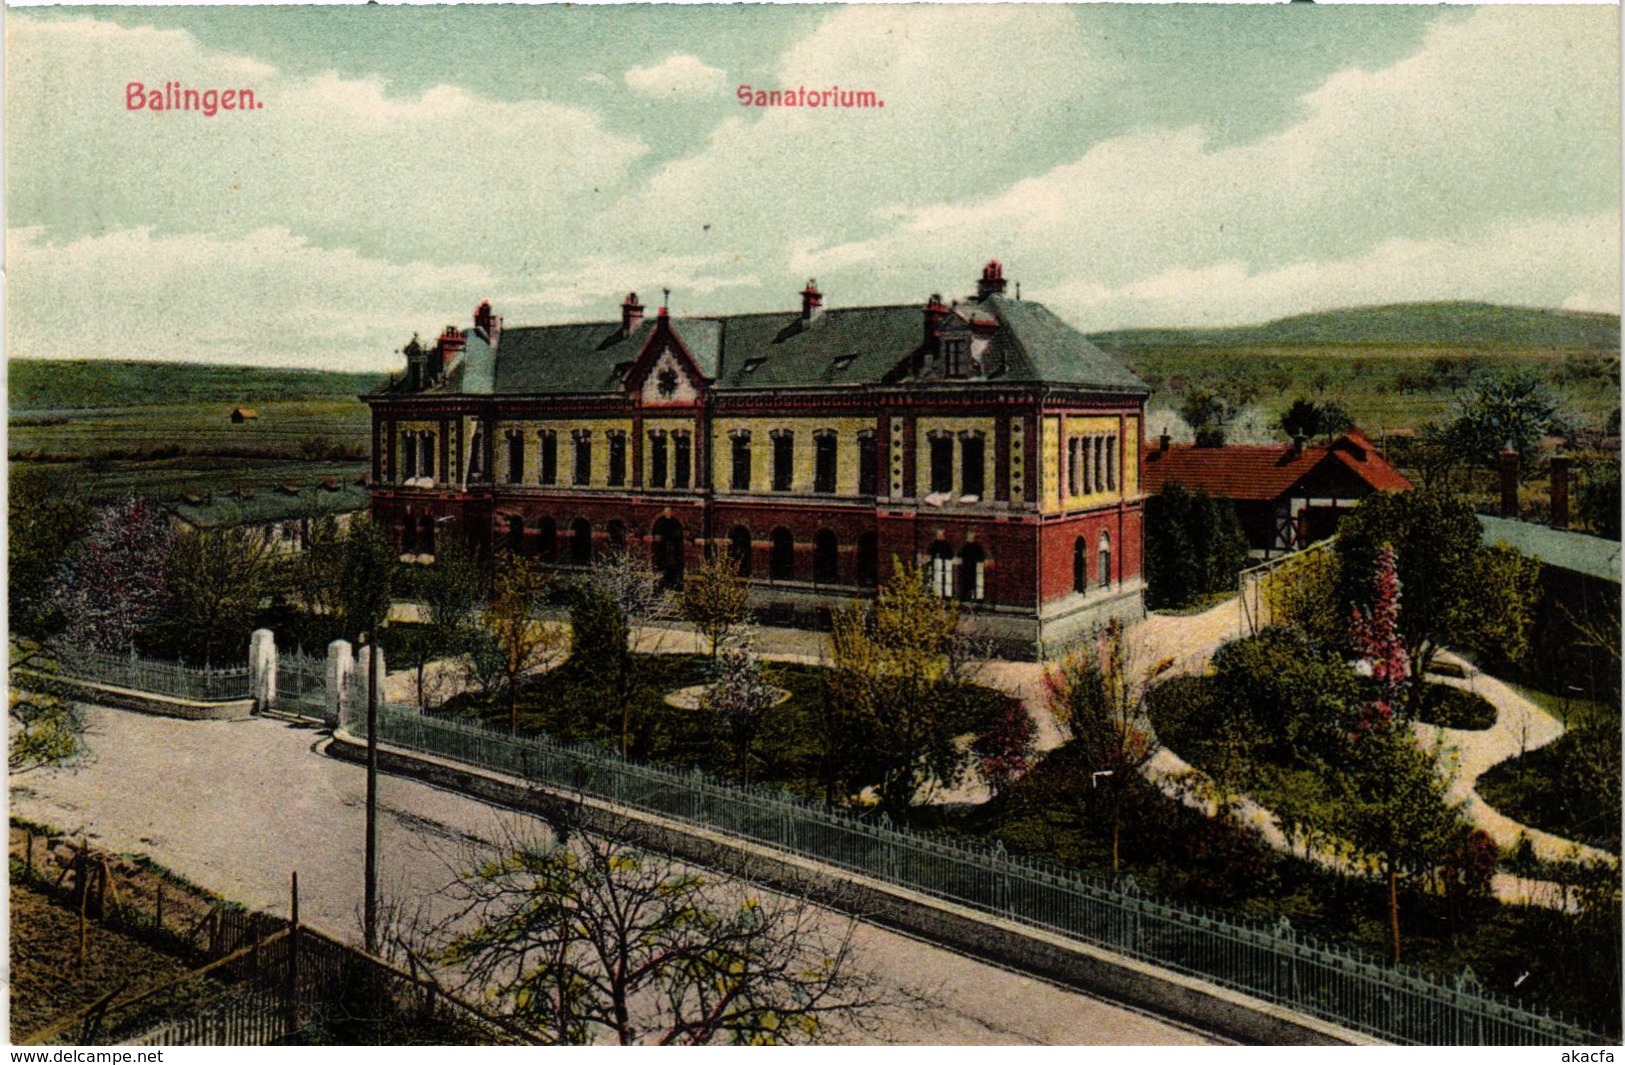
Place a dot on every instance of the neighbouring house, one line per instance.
(239, 415)
(282, 512)
(1286, 496)
(983, 439)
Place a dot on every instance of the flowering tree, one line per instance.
(114, 585)
(739, 699)
(1375, 633)
(1006, 750)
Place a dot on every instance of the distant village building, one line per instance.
(239, 415)
(983, 439)
(1286, 496)
(282, 513)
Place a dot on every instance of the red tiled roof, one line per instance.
(1264, 472)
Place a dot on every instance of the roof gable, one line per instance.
(1263, 472)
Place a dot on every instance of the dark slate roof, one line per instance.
(270, 503)
(851, 346)
(1577, 552)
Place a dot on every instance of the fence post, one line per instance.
(262, 669)
(339, 662)
(293, 955)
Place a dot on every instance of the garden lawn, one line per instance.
(1571, 786)
(788, 752)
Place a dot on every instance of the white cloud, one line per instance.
(268, 297)
(676, 75)
(1507, 117)
(1529, 262)
(440, 174)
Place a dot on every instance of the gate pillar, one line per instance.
(339, 663)
(262, 669)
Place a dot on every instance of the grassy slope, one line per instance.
(163, 429)
(1391, 367)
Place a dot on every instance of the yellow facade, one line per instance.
(924, 427)
(1018, 462)
(804, 453)
(1131, 457)
(1050, 446)
(531, 429)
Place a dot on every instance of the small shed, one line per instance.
(239, 415)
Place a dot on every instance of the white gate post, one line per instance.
(262, 669)
(338, 680)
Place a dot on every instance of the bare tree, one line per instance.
(597, 940)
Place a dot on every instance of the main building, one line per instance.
(983, 438)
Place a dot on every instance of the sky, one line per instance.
(1131, 166)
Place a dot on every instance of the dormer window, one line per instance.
(751, 365)
(622, 369)
(842, 362)
(955, 356)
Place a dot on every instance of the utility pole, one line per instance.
(369, 918)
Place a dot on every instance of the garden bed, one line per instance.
(788, 752)
(1447, 706)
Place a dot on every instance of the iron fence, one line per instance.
(301, 684)
(1275, 963)
(152, 675)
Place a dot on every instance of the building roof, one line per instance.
(1577, 552)
(244, 412)
(853, 346)
(1260, 472)
(245, 506)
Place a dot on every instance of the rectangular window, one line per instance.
(971, 465)
(549, 458)
(824, 462)
(617, 459)
(409, 456)
(942, 463)
(1111, 463)
(868, 466)
(741, 462)
(657, 460)
(1087, 453)
(784, 456)
(476, 457)
(682, 459)
(426, 455)
(954, 354)
(516, 457)
(583, 463)
(1074, 466)
(1100, 463)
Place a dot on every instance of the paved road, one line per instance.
(235, 806)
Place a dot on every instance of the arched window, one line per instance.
(1080, 566)
(547, 540)
(868, 558)
(426, 534)
(409, 536)
(942, 569)
(1105, 577)
(971, 561)
(516, 535)
(739, 549)
(826, 558)
(617, 536)
(781, 562)
(581, 542)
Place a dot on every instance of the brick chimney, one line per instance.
(1298, 441)
(812, 301)
(487, 323)
(447, 350)
(1509, 481)
(992, 282)
(1560, 491)
(631, 314)
(935, 312)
